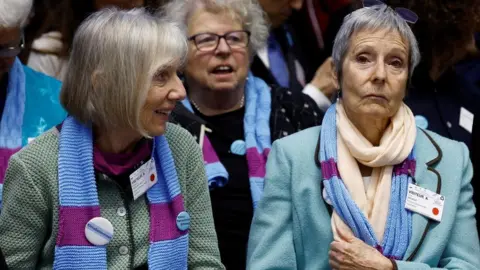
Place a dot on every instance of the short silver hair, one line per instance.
(368, 18)
(247, 12)
(14, 13)
(114, 56)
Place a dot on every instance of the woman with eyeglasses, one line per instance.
(368, 189)
(233, 115)
(28, 100)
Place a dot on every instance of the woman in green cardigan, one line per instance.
(114, 186)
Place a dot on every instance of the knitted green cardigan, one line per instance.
(29, 217)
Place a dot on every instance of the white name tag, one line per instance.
(143, 178)
(466, 119)
(425, 202)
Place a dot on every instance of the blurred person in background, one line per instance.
(57, 24)
(114, 186)
(474, 75)
(441, 98)
(286, 62)
(319, 21)
(29, 102)
(234, 115)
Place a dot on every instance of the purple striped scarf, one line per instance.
(399, 221)
(12, 119)
(257, 139)
(79, 203)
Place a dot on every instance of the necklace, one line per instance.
(240, 104)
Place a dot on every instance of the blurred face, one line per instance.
(226, 67)
(166, 90)
(375, 73)
(123, 4)
(278, 11)
(9, 38)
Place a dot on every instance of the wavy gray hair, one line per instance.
(248, 12)
(114, 56)
(368, 18)
(14, 13)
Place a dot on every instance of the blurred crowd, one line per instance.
(220, 102)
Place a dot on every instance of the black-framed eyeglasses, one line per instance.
(208, 42)
(12, 51)
(405, 13)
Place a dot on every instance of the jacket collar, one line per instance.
(428, 154)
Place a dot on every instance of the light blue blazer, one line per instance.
(291, 227)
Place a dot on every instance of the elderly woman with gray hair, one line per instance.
(367, 189)
(114, 186)
(234, 115)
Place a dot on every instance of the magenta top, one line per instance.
(118, 164)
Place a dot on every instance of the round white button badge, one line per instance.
(99, 231)
(183, 221)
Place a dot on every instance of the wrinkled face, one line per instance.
(375, 73)
(223, 69)
(278, 11)
(123, 4)
(9, 38)
(165, 91)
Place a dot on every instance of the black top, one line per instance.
(476, 168)
(232, 205)
(3, 264)
(441, 102)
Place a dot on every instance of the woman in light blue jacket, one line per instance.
(29, 100)
(367, 189)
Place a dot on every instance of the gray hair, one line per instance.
(368, 18)
(14, 13)
(114, 56)
(248, 12)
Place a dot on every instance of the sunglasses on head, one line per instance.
(404, 13)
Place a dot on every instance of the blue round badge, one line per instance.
(421, 121)
(183, 221)
(238, 147)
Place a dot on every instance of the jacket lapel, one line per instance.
(428, 154)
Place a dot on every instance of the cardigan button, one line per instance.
(121, 211)
(123, 250)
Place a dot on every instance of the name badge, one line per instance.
(466, 119)
(143, 178)
(425, 202)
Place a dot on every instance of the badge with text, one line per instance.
(425, 202)
(143, 178)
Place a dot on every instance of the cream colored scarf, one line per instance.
(395, 146)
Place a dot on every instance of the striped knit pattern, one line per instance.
(399, 222)
(12, 119)
(79, 203)
(257, 139)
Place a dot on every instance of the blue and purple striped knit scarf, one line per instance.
(12, 119)
(258, 102)
(79, 203)
(399, 221)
